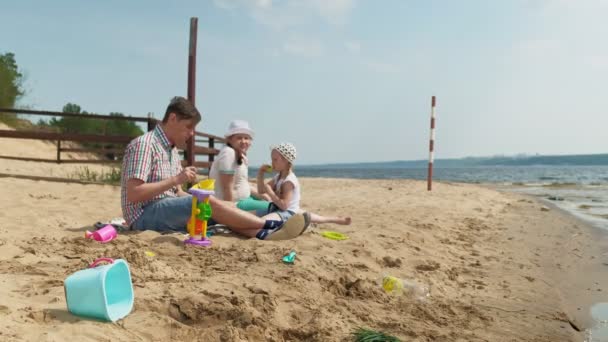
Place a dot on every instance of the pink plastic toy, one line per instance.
(103, 235)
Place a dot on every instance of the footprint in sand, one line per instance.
(40, 316)
(429, 265)
(391, 262)
(4, 310)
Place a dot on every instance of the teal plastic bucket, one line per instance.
(103, 292)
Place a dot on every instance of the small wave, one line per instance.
(560, 185)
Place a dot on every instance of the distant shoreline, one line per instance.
(518, 160)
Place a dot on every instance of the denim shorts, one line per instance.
(272, 208)
(170, 213)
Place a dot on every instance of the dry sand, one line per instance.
(27, 148)
(499, 268)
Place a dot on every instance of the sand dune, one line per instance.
(42, 149)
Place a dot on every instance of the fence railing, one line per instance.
(109, 155)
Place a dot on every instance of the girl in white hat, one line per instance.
(230, 169)
(284, 189)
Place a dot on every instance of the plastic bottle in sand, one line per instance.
(410, 288)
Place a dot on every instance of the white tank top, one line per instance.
(294, 204)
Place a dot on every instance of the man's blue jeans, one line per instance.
(171, 213)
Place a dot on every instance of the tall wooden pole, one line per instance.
(192, 81)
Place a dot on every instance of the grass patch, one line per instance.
(87, 175)
(367, 335)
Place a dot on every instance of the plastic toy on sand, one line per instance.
(290, 258)
(103, 235)
(103, 292)
(333, 235)
(201, 212)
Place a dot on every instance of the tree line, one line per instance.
(11, 91)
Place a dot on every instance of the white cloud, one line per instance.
(354, 47)
(383, 67)
(537, 50)
(565, 37)
(251, 4)
(304, 47)
(597, 62)
(289, 13)
(334, 11)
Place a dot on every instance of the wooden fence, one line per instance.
(122, 140)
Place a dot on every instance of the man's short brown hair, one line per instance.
(183, 109)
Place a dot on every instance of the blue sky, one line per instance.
(344, 80)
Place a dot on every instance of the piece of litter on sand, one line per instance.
(290, 258)
(333, 235)
(219, 229)
(150, 253)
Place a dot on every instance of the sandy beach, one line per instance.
(500, 266)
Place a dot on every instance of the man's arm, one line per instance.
(139, 191)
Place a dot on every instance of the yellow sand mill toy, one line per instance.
(201, 212)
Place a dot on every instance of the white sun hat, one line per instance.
(287, 150)
(239, 127)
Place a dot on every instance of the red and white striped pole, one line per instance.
(431, 145)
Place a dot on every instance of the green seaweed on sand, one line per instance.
(367, 335)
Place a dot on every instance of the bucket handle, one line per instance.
(97, 261)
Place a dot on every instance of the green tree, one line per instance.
(77, 125)
(10, 81)
(84, 125)
(122, 127)
(71, 108)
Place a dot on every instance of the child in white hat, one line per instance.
(284, 189)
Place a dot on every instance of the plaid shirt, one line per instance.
(150, 158)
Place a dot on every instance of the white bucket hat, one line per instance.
(239, 127)
(287, 150)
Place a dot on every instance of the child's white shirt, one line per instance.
(294, 204)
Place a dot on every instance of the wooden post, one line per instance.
(58, 151)
(211, 155)
(151, 123)
(192, 82)
(431, 146)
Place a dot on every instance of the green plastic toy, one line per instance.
(290, 258)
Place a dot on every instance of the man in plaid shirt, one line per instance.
(152, 175)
